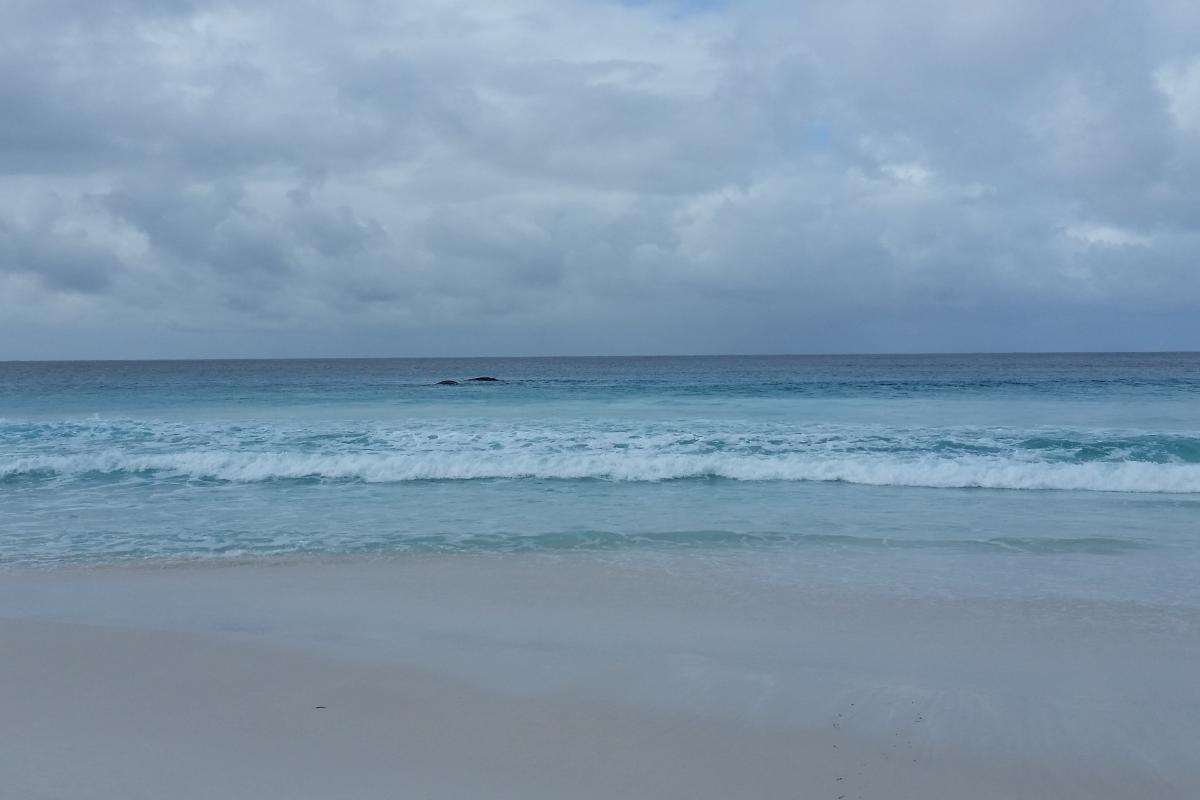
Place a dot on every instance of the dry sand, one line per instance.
(577, 677)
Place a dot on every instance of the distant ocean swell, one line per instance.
(459, 451)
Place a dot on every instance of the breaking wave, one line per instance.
(989, 472)
(462, 450)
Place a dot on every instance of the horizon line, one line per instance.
(597, 356)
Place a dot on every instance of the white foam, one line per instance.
(994, 472)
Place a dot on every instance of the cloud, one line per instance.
(213, 178)
(1106, 236)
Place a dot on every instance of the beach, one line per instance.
(577, 676)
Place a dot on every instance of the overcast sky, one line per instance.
(367, 177)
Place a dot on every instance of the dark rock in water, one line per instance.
(485, 378)
(446, 383)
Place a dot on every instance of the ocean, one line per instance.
(1056, 475)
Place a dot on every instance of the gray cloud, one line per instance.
(278, 178)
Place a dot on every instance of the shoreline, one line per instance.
(578, 676)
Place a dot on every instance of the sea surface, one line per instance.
(1058, 475)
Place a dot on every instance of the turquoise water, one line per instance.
(1048, 474)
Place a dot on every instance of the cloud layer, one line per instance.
(200, 177)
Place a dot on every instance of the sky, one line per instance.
(290, 178)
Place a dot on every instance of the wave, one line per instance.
(971, 471)
(613, 540)
(611, 450)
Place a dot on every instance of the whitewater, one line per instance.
(1116, 461)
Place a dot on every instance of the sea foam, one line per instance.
(993, 472)
(599, 449)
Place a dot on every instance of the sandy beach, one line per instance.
(577, 676)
